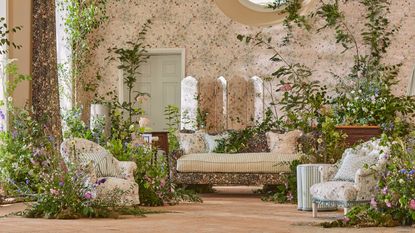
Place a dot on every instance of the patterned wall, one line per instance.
(212, 49)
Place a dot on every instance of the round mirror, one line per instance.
(258, 12)
(263, 5)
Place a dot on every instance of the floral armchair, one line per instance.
(77, 150)
(350, 182)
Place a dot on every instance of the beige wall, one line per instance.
(212, 49)
(19, 14)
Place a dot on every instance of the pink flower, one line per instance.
(412, 204)
(373, 203)
(54, 192)
(385, 190)
(286, 87)
(388, 204)
(346, 219)
(88, 195)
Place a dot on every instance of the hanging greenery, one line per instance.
(81, 20)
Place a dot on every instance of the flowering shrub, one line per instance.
(394, 202)
(66, 191)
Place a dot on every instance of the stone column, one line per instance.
(256, 100)
(45, 89)
(189, 103)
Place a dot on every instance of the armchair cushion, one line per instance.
(104, 164)
(334, 191)
(353, 162)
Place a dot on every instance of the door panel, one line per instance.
(160, 77)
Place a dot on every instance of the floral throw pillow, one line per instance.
(285, 143)
(192, 143)
(353, 162)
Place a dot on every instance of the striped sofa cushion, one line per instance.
(104, 164)
(236, 163)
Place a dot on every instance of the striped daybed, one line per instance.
(261, 168)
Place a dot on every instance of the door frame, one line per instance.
(157, 51)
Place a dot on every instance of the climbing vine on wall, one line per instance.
(81, 20)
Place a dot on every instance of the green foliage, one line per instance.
(291, 8)
(67, 193)
(5, 31)
(130, 60)
(287, 192)
(81, 20)
(172, 116)
(237, 141)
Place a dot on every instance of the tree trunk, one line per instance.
(45, 86)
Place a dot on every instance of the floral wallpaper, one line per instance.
(212, 49)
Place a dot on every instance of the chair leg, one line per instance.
(314, 207)
(346, 210)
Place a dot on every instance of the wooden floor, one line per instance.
(231, 209)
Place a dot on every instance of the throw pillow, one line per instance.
(258, 143)
(212, 141)
(192, 143)
(285, 143)
(105, 165)
(352, 162)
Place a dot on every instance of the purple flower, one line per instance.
(411, 172)
(403, 171)
(385, 190)
(14, 134)
(61, 183)
(373, 203)
(27, 181)
(101, 181)
(88, 195)
(2, 116)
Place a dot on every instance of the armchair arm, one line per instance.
(172, 158)
(366, 180)
(327, 172)
(127, 169)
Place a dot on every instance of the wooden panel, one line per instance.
(163, 142)
(357, 134)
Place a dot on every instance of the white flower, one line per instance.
(10, 99)
(352, 92)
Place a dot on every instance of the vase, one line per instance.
(356, 133)
(100, 112)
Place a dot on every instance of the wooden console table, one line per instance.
(163, 142)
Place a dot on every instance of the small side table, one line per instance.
(307, 175)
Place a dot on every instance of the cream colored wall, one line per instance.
(212, 49)
(20, 14)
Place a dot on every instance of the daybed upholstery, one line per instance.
(199, 166)
(75, 150)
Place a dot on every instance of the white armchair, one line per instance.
(77, 149)
(349, 183)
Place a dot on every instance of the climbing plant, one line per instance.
(81, 20)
